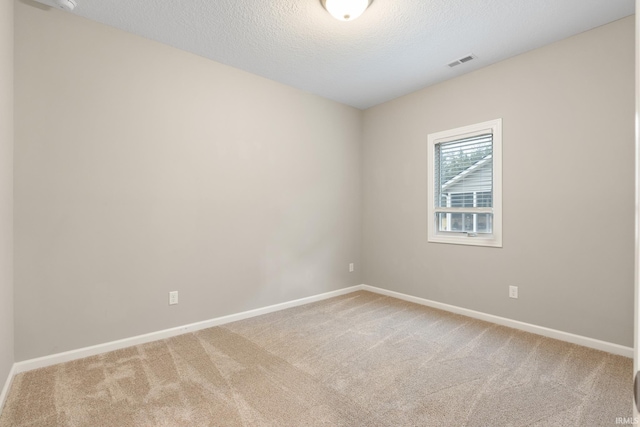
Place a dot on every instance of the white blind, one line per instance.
(464, 172)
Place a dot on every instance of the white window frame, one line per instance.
(493, 239)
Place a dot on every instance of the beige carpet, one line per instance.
(357, 360)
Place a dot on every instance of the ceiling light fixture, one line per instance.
(346, 10)
(68, 5)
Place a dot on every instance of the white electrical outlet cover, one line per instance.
(173, 297)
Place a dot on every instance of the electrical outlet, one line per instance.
(351, 268)
(173, 297)
(513, 292)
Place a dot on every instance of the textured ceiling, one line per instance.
(394, 48)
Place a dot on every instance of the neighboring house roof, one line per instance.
(476, 177)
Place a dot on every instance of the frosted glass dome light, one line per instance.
(346, 10)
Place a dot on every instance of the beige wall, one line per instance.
(568, 173)
(6, 189)
(141, 169)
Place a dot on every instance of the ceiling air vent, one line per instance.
(461, 60)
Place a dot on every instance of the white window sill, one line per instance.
(490, 241)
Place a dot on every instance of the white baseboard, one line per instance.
(54, 359)
(7, 385)
(67, 356)
(539, 330)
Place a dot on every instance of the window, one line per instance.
(465, 185)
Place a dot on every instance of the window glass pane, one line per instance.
(484, 199)
(456, 222)
(465, 222)
(461, 200)
(481, 199)
(484, 223)
(468, 223)
(464, 168)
